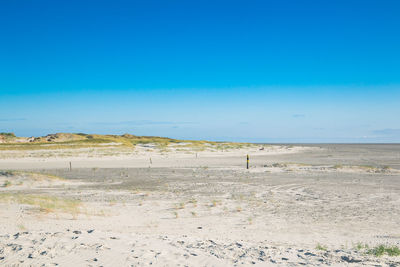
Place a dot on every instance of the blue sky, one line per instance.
(261, 71)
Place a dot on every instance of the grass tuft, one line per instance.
(321, 247)
(381, 250)
(361, 246)
(7, 183)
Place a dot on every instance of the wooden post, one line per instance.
(70, 166)
(247, 161)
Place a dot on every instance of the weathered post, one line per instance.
(70, 166)
(247, 161)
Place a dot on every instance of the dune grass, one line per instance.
(45, 203)
(381, 250)
(337, 166)
(81, 140)
(32, 175)
(8, 137)
(321, 247)
(63, 140)
(6, 183)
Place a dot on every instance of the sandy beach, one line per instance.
(199, 133)
(296, 205)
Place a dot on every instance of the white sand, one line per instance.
(293, 207)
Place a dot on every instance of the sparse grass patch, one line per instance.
(381, 250)
(193, 201)
(366, 168)
(44, 203)
(361, 246)
(279, 165)
(180, 206)
(6, 183)
(337, 166)
(21, 227)
(386, 168)
(40, 176)
(321, 247)
(32, 175)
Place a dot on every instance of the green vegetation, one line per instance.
(361, 246)
(8, 135)
(176, 214)
(7, 183)
(381, 250)
(193, 201)
(321, 247)
(338, 166)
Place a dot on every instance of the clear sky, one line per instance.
(261, 71)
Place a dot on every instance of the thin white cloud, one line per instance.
(387, 132)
